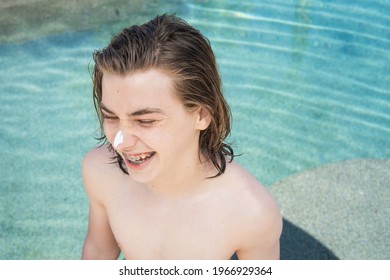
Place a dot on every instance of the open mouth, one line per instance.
(139, 158)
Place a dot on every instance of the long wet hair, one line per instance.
(170, 44)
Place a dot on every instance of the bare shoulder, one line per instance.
(96, 160)
(98, 170)
(253, 195)
(258, 219)
(96, 154)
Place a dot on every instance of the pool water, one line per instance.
(307, 82)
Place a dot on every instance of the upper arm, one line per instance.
(100, 242)
(260, 229)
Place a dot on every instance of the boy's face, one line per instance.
(149, 126)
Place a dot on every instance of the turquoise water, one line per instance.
(307, 81)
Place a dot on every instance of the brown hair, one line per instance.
(170, 44)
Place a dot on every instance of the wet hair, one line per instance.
(170, 44)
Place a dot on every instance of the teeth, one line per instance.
(139, 158)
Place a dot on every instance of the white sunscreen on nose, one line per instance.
(118, 139)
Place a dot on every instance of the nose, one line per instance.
(124, 139)
(118, 139)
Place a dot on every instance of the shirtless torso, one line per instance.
(159, 101)
(229, 214)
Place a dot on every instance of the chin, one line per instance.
(146, 178)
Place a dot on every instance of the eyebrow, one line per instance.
(144, 111)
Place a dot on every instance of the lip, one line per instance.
(139, 166)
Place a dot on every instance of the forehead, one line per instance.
(151, 88)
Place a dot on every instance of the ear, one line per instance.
(203, 119)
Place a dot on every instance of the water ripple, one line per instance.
(355, 115)
(247, 16)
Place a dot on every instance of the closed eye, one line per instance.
(147, 122)
(108, 117)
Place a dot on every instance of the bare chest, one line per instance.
(194, 229)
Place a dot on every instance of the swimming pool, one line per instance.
(307, 82)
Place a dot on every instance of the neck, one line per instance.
(187, 178)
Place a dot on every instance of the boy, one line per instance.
(164, 185)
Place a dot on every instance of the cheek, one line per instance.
(110, 132)
(181, 137)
